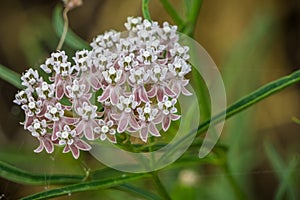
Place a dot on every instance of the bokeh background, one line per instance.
(251, 41)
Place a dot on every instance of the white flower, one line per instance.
(87, 111)
(54, 112)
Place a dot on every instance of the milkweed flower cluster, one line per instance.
(141, 73)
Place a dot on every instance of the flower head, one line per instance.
(136, 77)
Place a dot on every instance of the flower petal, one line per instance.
(153, 130)
(144, 134)
(48, 145)
(123, 123)
(166, 123)
(160, 94)
(114, 98)
(152, 92)
(80, 127)
(143, 95)
(39, 148)
(82, 145)
(59, 93)
(75, 151)
(105, 94)
(88, 132)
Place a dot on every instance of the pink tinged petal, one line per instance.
(185, 91)
(122, 79)
(123, 123)
(111, 138)
(59, 93)
(114, 96)
(88, 132)
(160, 94)
(185, 82)
(43, 110)
(115, 116)
(48, 145)
(157, 119)
(28, 122)
(133, 123)
(56, 128)
(82, 145)
(143, 95)
(176, 89)
(136, 96)
(144, 134)
(66, 149)
(166, 123)
(80, 126)
(70, 120)
(75, 151)
(40, 147)
(95, 83)
(169, 92)
(175, 117)
(105, 94)
(153, 130)
(152, 92)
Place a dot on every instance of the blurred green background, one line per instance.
(252, 43)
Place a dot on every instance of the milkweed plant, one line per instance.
(122, 85)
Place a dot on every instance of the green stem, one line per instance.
(242, 104)
(10, 76)
(253, 98)
(16, 175)
(86, 186)
(160, 187)
(145, 9)
(192, 16)
(172, 12)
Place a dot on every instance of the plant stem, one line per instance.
(145, 9)
(160, 187)
(65, 30)
(172, 12)
(192, 16)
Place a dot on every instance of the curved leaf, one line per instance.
(72, 40)
(16, 175)
(86, 186)
(10, 76)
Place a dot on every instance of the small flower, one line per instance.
(45, 90)
(71, 141)
(31, 79)
(54, 112)
(22, 97)
(168, 112)
(106, 130)
(88, 122)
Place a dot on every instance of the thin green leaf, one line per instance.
(14, 174)
(10, 76)
(192, 13)
(86, 186)
(72, 39)
(172, 12)
(283, 172)
(245, 102)
(145, 9)
(253, 98)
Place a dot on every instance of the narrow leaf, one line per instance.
(86, 186)
(72, 40)
(14, 174)
(10, 76)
